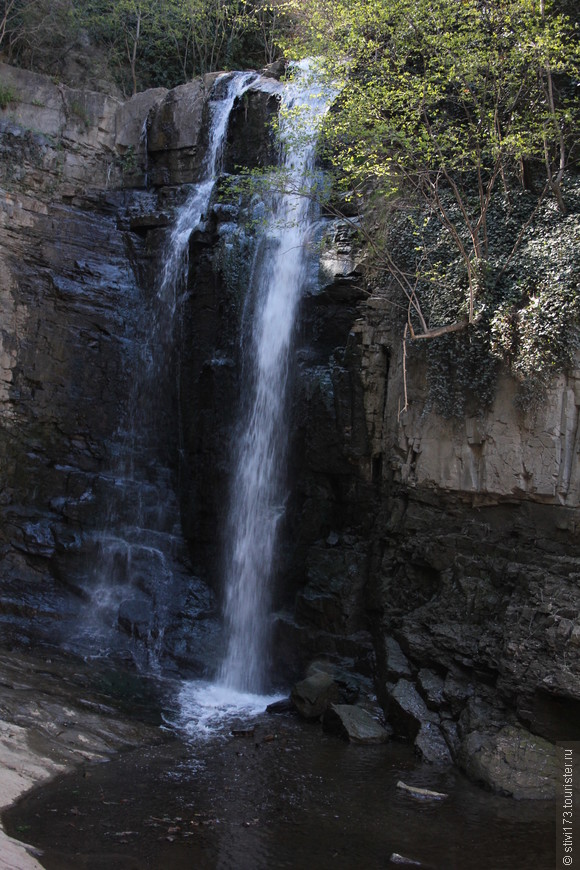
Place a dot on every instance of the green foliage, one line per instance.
(438, 86)
(7, 96)
(461, 120)
(151, 43)
(79, 111)
(36, 33)
(528, 313)
(128, 161)
(147, 43)
(233, 261)
(535, 326)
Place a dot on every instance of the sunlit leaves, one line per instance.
(455, 106)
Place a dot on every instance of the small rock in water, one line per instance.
(283, 706)
(424, 793)
(243, 732)
(401, 859)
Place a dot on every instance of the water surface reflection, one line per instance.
(283, 796)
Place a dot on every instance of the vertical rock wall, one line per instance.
(81, 241)
(463, 547)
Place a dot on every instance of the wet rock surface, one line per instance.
(512, 761)
(313, 695)
(87, 496)
(354, 723)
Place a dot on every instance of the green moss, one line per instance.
(128, 162)
(7, 96)
(233, 261)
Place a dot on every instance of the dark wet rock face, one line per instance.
(78, 268)
(94, 529)
(313, 695)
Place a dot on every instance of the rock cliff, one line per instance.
(82, 234)
(439, 554)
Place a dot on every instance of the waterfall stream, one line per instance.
(195, 207)
(257, 491)
(141, 564)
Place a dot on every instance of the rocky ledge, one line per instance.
(57, 713)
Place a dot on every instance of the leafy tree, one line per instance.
(457, 126)
(35, 31)
(166, 43)
(129, 30)
(448, 100)
(8, 10)
(214, 27)
(273, 22)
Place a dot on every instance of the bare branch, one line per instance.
(436, 331)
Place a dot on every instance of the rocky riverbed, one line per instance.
(260, 791)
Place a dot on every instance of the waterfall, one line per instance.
(140, 553)
(192, 212)
(257, 490)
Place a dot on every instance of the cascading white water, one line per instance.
(137, 549)
(192, 212)
(257, 492)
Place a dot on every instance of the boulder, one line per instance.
(431, 686)
(431, 745)
(457, 690)
(353, 723)
(396, 663)
(132, 116)
(512, 761)
(313, 695)
(407, 710)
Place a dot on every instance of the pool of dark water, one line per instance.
(284, 796)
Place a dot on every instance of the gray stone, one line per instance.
(513, 762)
(313, 695)
(175, 121)
(431, 745)
(431, 687)
(349, 683)
(354, 724)
(132, 115)
(451, 735)
(457, 690)
(407, 710)
(396, 662)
